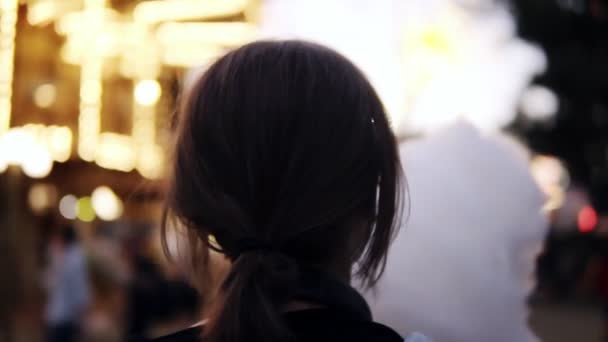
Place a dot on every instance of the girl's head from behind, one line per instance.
(284, 159)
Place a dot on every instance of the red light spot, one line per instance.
(587, 219)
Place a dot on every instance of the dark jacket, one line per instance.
(345, 316)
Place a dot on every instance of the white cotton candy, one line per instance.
(462, 265)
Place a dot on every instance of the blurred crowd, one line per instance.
(109, 288)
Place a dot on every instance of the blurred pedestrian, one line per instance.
(68, 287)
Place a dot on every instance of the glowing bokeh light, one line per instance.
(8, 30)
(115, 152)
(59, 140)
(91, 76)
(151, 162)
(90, 91)
(34, 147)
(67, 206)
(12, 143)
(41, 197)
(42, 12)
(106, 204)
(552, 178)
(84, 209)
(45, 95)
(36, 161)
(587, 219)
(147, 92)
(143, 43)
(4, 162)
(539, 103)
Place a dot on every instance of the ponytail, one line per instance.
(252, 298)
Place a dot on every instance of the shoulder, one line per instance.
(318, 326)
(326, 325)
(379, 332)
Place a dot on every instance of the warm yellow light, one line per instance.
(45, 95)
(555, 197)
(116, 152)
(98, 32)
(89, 121)
(147, 92)
(84, 209)
(86, 149)
(430, 49)
(106, 204)
(3, 162)
(8, 29)
(24, 147)
(67, 206)
(76, 22)
(151, 162)
(167, 10)
(552, 178)
(59, 141)
(7, 142)
(70, 54)
(13, 143)
(144, 127)
(90, 91)
(108, 44)
(437, 41)
(88, 128)
(36, 161)
(41, 11)
(4, 155)
(548, 170)
(427, 52)
(41, 197)
(430, 40)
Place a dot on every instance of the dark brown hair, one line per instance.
(285, 144)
